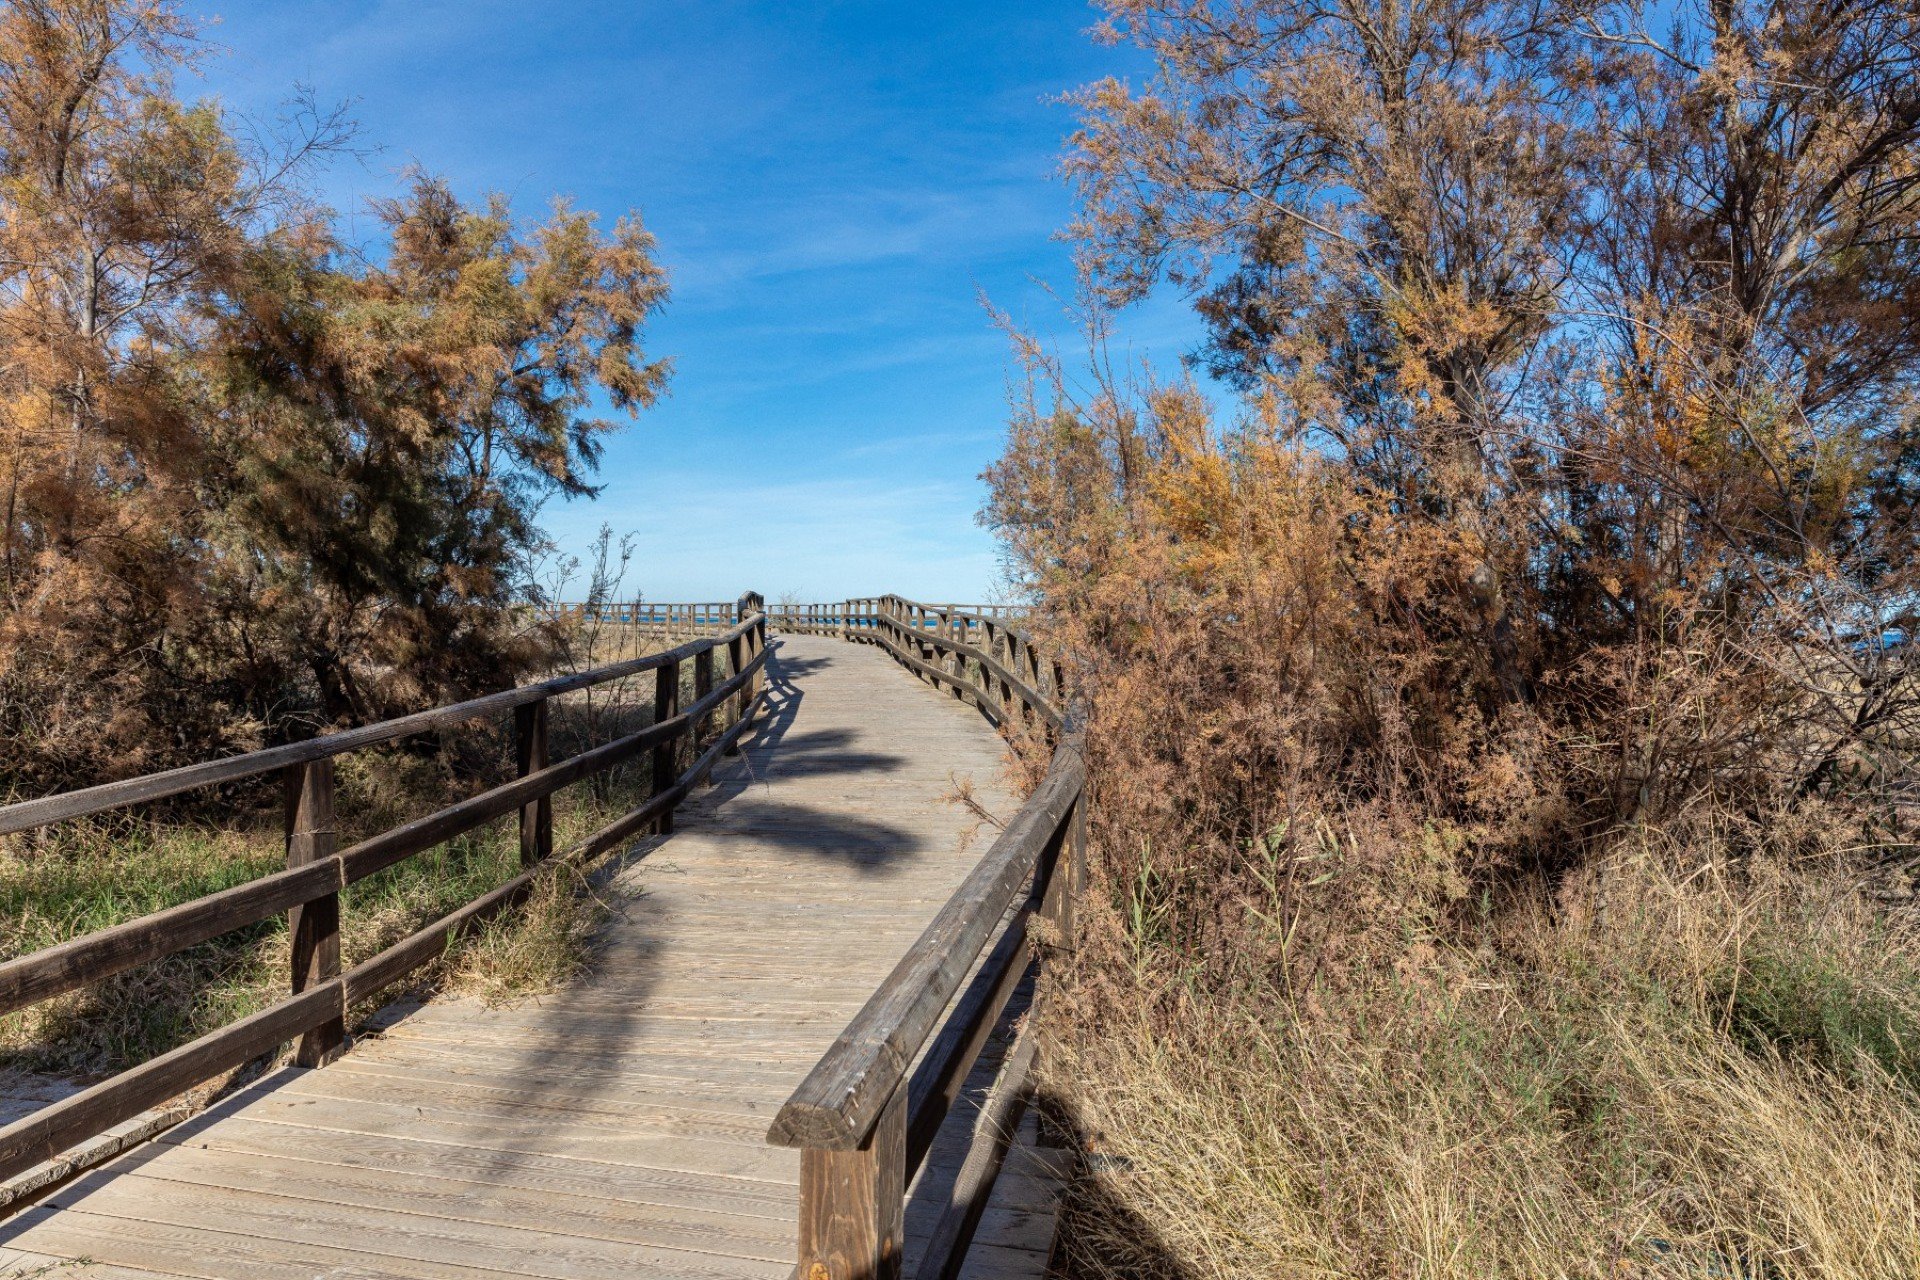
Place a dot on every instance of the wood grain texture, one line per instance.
(853, 1205)
(530, 756)
(313, 927)
(617, 1126)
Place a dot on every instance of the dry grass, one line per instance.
(84, 884)
(88, 875)
(547, 942)
(1440, 931)
(1693, 1067)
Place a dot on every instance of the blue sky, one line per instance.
(832, 186)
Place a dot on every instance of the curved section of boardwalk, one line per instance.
(616, 1129)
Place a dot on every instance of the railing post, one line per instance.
(1077, 845)
(957, 662)
(1020, 658)
(1060, 907)
(853, 1204)
(1000, 648)
(314, 926)
(1067, 874)
(530, 756)
(759, 679)
(737, 659)
(666, 705)
(702, 686)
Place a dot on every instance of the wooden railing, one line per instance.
(866, 1115)
(711, 615)
(309, 889)
(832, 619)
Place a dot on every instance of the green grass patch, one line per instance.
(102, 874)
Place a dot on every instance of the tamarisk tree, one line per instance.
(1607, 317)
(257, 479)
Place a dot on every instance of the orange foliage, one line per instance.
(251, 482)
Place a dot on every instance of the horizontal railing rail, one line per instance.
(308, 890)
(835, 619)
(866, 1115)
(87, 801)
(642, 613)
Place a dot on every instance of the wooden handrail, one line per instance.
(44, 974)
(309, 889)
(158, 786)
(640, 613)
(840, 1101)
(865, 1115)
(1025, 692)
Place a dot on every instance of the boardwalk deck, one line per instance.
(616, 1128)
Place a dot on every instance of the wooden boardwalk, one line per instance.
(617, 1128)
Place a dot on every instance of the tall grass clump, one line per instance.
(1501, 735)
(1376, 980)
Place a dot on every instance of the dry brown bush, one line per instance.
(1362, 988)
(1499, 729)
(254, 482)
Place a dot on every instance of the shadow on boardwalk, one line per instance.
(615, 1128)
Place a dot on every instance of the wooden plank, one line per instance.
(987, 1261)
(495, 1100)
(608, 1027)
(375, 1241)
(431, 1193)
(17, 1264)
(741, 1101)
(399, 1161)
(659, 1069)
(993, 1133)
(505, 1128)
